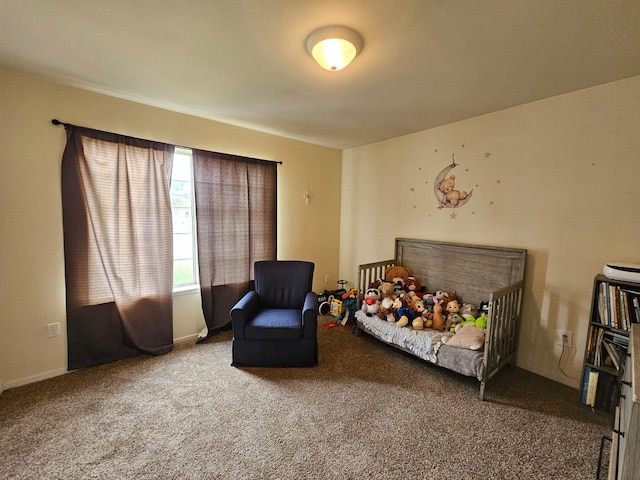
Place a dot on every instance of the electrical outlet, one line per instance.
(53, 329)
(326, 278)
(564, 338)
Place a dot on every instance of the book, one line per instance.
(602, 302)
(592, 387)
(613, 352)
(597, 361)
(612, 300)
(585, 384)
(605, 392)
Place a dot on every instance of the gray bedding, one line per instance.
(425, 344)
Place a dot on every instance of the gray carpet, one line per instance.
(366, 411)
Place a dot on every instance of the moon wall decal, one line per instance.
(441, 196)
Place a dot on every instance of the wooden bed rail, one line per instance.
(369, 273)
(501, 334)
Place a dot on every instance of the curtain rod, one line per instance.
(57, 122)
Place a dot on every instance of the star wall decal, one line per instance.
(454, 215)
(487, 154)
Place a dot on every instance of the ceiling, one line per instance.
(425, 63)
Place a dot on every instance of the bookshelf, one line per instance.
(615, 306)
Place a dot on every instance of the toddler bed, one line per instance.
(477, 273)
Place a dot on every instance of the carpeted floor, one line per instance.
(366, 411)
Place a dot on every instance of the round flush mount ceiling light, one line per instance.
(334, 47)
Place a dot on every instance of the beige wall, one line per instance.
(559, 177)
(31, 248)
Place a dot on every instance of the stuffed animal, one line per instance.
(397, 271)
(481, 321)
(410, 298)
(438, 317)
(437, 297)
(386, 289)
(451, 196)
(387, 311)
(469, 311)
(427, 319)
(419, 309)
(468, 336)
(453, 315)
(371, 302)
(398, 286)
(405, 315)
(413, 285)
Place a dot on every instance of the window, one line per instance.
(185, 265)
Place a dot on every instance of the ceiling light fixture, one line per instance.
(334, 47)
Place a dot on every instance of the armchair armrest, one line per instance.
(243, 311)
(310, 315)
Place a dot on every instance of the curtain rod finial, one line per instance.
(55, 121)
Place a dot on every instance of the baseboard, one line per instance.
(61, 371)
(34, 378)
(188, 338)
(570, 382)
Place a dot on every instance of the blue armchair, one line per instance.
(275, 325)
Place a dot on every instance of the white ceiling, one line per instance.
(424, 63)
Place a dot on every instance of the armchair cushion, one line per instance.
(283, 284)
(275, 324)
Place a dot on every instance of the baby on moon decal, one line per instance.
(444, 189)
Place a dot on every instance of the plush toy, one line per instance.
(481, 321)
(469, 311)
(397, 271)
(386, 289)
(410, 298)
(451, 196)
(468, 336)
(438, 297)
(438, 317)
(453, 315)
(418, 319)
(398, 285)
(387, 311)
(371, 302)
(413, 285)
(405, 315)
(427, 319)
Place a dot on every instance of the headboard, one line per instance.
(472, 271)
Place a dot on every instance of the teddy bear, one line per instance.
(451, 196)
(386, 289)
(397, 271)
(453, 315)
(371, 302)
(468, 336)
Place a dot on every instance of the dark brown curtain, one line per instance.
(118, 246)
(236, 223)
